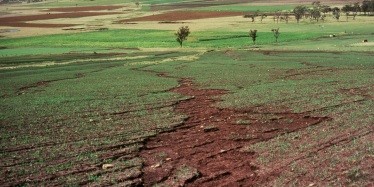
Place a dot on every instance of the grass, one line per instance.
(79, 114)
(83, 107)
(249, 8)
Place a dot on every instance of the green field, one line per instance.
(249, 8)
(71, 103)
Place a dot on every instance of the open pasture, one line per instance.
(124, 105)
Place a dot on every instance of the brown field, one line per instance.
(20, 21)
(183, 15)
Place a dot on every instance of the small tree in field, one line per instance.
(299, 12)
(182, 34)
(253, 35)
(336, 13)
(276, 34)
(262, 16)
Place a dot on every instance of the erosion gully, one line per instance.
(207, 149)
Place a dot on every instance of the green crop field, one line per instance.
(250, 8)
(127, 106)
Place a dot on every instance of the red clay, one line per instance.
(84, 8)
(20, 21)
(184, 15)
(210, 141)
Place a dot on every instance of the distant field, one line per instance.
(292, 35)
(64, 3)
(250, 8)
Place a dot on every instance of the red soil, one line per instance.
(84, 8)
(184, 15)
(19, 21)
(210, 142)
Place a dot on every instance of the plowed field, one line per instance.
(20, 21)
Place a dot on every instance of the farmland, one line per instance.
(99, 93)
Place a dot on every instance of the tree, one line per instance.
(346, 9)
(277, 16)
(285, 17)
(252, 16)
(262, 16)
(325, 9)
(336, 13)
(367, 6)
(276, 34)
(253, 35)
(299, 12)
(182, 34)
(316, 3)
(315, 13)
(356, 9)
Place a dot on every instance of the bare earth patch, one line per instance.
(210, 142)
(21, 21)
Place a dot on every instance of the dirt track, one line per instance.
(206, 150)
(184, 15)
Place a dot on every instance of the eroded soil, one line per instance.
(207, 149)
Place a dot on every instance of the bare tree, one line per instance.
(276, 34)
(356, 9)
(277, 16)
(182, 34)
(336, 13)
(346, 9)
(253, 35)
(285, 17)
(262, 17)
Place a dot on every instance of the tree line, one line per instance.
(318, 12)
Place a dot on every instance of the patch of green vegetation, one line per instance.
(64, 116)
(40, 51)
(151, 39)
(299, 80)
